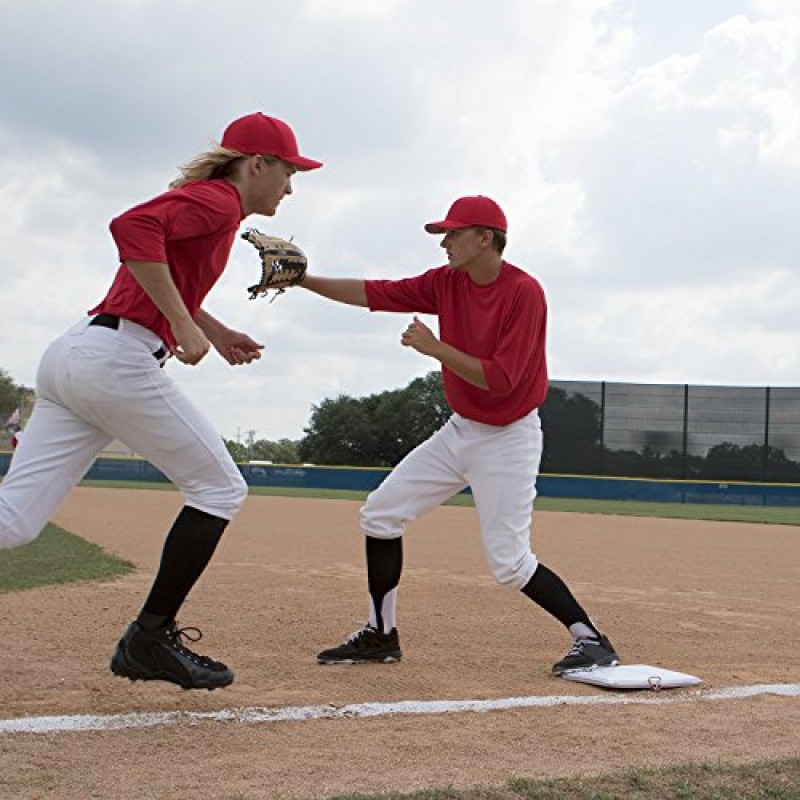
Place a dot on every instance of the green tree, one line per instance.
(340, 432)
(429, 409)
(284, 451)
(572, 431)
(13, 395)
(9, 395)
(753, 462)
(239, 452)
(378, 430)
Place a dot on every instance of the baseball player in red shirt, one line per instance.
(491, 346)
(102, 380)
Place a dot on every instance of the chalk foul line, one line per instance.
(251, 716)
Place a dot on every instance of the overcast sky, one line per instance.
(647, 155)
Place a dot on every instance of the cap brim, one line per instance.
(444, 226)
(301, 162)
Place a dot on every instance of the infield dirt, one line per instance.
(718, 600)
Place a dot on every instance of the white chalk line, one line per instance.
(251, 716)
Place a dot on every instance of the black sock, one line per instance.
(188, 549)
(151, 622)
(384, 566)
(547, 590)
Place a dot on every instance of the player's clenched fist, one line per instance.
(419, 336)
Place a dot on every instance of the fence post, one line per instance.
(685, 443)
(765, 459)
(602, 464)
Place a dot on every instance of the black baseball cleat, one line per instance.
(159, 655)
(365, 646)
(586, 654)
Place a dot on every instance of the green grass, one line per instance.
(777, 515)
(763, 780)
(56, 557)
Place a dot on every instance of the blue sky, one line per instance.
(647, 155)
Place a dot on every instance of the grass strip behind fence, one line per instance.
(727, 512)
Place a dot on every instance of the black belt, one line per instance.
(110, 321)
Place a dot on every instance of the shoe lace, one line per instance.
(176, 636)
(367, 630)
(577, 647)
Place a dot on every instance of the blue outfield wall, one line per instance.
(566, 486)
(308, 477)
(660, 491)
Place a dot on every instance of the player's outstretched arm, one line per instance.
(343, 290)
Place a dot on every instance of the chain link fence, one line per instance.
(672, 431)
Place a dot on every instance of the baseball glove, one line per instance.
(283, 263)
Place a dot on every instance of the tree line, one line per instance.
(380, 429)
(13, 396)
(574, 445)
(373, 431)
(16, 402)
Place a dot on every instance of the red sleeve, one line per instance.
(195, 210)
(416, 294)
(521, 347)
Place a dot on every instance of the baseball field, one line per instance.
(471, 709)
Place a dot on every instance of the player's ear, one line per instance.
(487, 237)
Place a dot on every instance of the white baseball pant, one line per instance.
(95, 385)
(500, 464)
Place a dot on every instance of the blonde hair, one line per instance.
(219, 162)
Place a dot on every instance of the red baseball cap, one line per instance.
(467, 212)
(258, 134)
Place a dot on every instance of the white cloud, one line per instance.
(646, 154)
(777, 8)
(741, 334)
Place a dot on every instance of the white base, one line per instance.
(632, 676)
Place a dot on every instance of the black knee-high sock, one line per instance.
(188, 549)
(384, 566)
(547, 590)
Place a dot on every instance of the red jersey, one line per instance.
(192, 229)
(503, 324)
